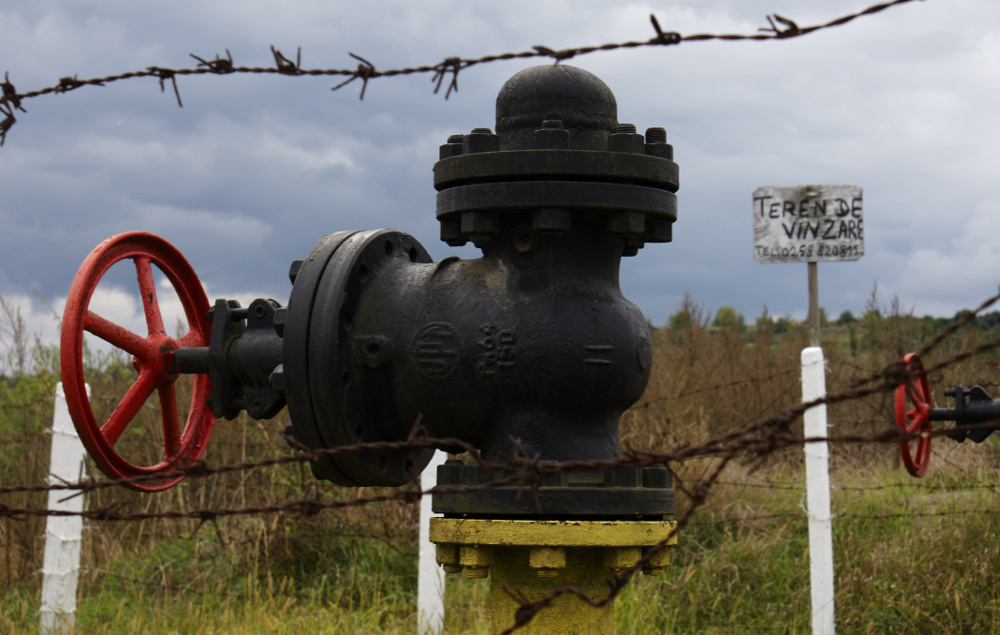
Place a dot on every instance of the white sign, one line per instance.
(808, 223)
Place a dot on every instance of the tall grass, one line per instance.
(909, 558)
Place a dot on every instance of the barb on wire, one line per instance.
(10, 95)
(451, 65)
(284, 65)
(791, 29)
(366, 70)
(665, 38)
(219, 65)
(164, 74)
(67, 84)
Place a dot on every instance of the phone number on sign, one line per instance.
(810, 251)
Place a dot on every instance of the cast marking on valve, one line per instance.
(598, 354)
(436, 349)
(498, 349)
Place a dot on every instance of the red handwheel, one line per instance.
(151, 356)
(915, 421)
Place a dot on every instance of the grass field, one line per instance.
(912, 556)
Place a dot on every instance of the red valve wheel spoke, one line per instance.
(147, 288)
(117, 336)
(915, 421)
(181, 444)
(128, 408)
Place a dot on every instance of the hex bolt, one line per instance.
(657, 477)
(293, 271)
(551, 136)
(476, 560)
(453, 147)
(619, 559)
(659, 562)
(547, 561)
(632, 247)
(451, 231)
(279, 319)
(656, 135)
(447, 556)
(478, 223)
(480, 140)
(656, 144)
(627, 223)
(552, 220)
(625, 139)
(658, 230)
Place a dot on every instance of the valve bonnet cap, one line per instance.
(579, 99)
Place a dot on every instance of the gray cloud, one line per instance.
(254, 169)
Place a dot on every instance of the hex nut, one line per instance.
(476, 560)
(453, 148)
(627, 223)
(659, 562)
(293, 270)
(478, 223)
(551, 136)
(480, 140)
(625, 139)
(619, 559)
(552, 220)
(279, 319)
(451, 231)
(446, 555)
(547, 561)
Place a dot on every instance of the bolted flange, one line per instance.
(558, 151)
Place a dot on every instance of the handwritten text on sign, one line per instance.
(808, 223)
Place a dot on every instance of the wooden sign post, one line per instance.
(812, 223)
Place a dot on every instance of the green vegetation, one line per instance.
(912, 556)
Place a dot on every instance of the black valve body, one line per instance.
(531, 348)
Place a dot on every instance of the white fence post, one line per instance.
(818, 494)
(430, 580)
(63, 534)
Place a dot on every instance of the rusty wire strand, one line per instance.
(10, 99)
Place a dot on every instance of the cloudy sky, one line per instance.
(254, 169)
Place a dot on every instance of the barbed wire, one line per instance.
(443, 74)
(754, 441)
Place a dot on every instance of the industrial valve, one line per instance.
(914, 413)
(531, 348)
